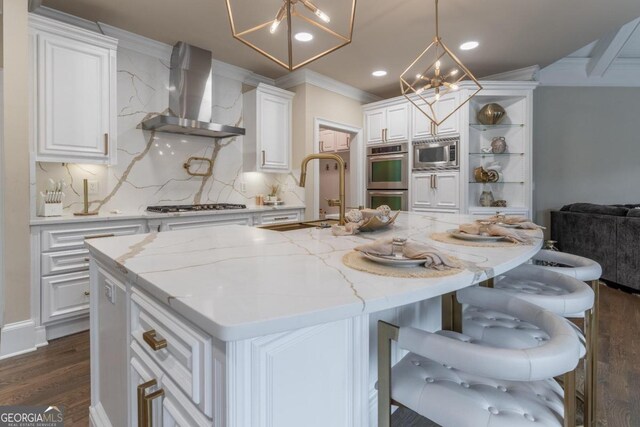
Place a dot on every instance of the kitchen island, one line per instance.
(241, 326)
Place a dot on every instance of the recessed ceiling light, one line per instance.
(304, 37)
(379, 73)
(469, 45)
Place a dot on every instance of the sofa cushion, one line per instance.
(598, 209)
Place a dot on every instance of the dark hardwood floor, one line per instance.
(58, 374)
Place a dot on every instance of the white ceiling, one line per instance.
(388, 33)
(612, 60)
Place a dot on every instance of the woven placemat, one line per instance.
(355, 260)
(448, 238)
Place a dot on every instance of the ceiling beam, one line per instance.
(608, 47)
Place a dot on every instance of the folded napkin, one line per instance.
(495, 230)
(433, 258)
(520, 221)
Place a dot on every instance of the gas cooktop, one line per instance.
(192, 208)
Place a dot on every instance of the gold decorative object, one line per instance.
(433, 74)
(482, 175)
(491, 114)
(208, 172)
(85, 210)
(308, 33)
(375, 223)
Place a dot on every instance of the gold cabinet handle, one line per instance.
(99, 236)
(150, 338)
(148, 403)
(435, 181)
(86, 259)
(145, 403)
(281, 218)
(87, 293)
(321, 147)
(106, 144)
(264, 156)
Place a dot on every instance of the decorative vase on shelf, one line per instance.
(498, 145)
(491, 114)
(486, 198)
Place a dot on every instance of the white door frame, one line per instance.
(356, 154)
(2, 241)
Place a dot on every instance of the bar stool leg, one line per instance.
(386, 333)
(570, 399)
(591, 372)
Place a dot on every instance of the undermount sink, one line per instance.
(317, 223)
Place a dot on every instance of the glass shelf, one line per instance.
(484, 128)
(499, 182)
(497, 154)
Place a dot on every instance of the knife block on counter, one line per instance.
(45, 208)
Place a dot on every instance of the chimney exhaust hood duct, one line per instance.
(190, 96)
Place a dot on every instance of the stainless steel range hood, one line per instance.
(190, 85)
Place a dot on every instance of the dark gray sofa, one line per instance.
(607, 234)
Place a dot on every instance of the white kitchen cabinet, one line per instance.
(435, 191)
(327, 141)
(421, 125)
(60, 271)
(331, 141)
(267, 116)
(74, 93)
(387, 123)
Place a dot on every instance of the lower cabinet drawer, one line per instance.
(276, 217)
(181, 351)
(208, 222)
(171, 407)
(74, 237)
(64, 261)
(65, 295)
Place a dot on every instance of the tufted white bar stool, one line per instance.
(589, 271)
(584, 270)
(455, 381)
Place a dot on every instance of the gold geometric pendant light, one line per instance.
(292, 33)
(433, 74)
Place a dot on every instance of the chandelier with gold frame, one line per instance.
(433, 74)
(292, 33)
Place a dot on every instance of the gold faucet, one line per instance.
(332, 202)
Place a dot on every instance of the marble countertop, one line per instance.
(238, 282)
(69, 218)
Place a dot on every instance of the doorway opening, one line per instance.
(345, 141)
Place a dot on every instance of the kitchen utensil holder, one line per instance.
(49, 208)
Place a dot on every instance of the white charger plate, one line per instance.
(473, 237)
(394, 261)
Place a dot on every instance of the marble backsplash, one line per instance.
(149, 170)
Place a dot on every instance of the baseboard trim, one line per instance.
(98, 417)
(17, 338)
(41, 336)
(68, 327)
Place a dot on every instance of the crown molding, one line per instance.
(66, 18)
(136, 42)
(521, 74)
(304, 75)
(623, 72)
(233, 72)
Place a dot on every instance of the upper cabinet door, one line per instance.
(275, 131)
(267, 114)
(342, 141)
(375, 124)
(421, 124)
(444, 107)
(75, 98)
(327, 140)
(397, 128)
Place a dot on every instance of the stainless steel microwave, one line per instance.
(436, 153)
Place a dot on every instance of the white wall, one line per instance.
(586, 147)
